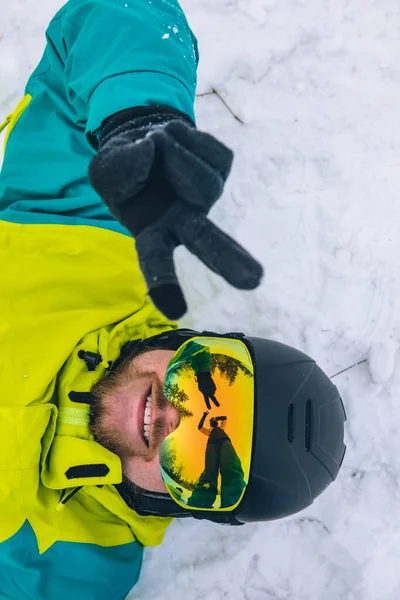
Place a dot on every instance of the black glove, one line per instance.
(159, 176)
(203, 418)
(220, 418)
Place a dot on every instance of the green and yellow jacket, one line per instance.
(71, 282)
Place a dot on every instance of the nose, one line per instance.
(173, 417)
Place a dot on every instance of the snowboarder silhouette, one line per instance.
(199, 358)
(220, 458)
(201, 363)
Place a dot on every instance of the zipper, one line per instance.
(66, 496)
(6, 122)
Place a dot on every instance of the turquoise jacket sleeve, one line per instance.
(101, 57)
(125, 53)
(67, 569)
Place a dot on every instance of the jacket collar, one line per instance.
(74, 458)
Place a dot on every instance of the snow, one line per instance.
(314, 194)
(381, 360)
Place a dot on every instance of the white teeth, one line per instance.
(147, 419)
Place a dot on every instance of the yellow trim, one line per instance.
(6, 122)
(13, 117)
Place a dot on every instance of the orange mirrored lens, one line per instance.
(205, 462)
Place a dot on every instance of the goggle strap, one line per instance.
(151, 503)
(170, 340)
(236, 335)
(222, 518)
(157, 504)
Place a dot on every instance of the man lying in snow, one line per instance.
(102, 396)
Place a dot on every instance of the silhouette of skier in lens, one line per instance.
(201, 364)
(199, 358)
(221, 458)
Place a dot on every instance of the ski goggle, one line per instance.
(205, 462)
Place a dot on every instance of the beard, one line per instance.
(107, 386)
(108, 413)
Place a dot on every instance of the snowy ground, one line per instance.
(315, 195)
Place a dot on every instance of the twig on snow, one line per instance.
(348, 368)
(216, 93)
(313, 520)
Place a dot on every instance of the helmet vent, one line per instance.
(307, 426)
(290, 423)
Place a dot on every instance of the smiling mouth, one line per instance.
(152, 423)
(147, 419)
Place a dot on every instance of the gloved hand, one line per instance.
(201, 422)
(159, 176)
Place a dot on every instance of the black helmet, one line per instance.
(298, 435)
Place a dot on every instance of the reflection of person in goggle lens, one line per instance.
(199, 358)
(220, 459)
(207, 387)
